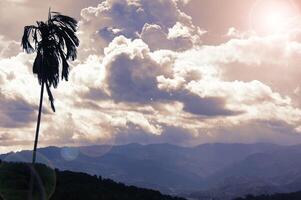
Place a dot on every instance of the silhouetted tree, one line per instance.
(54, 42)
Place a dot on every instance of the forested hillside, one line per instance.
(15, 184)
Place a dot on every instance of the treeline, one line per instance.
(288, 196)
(15, 184)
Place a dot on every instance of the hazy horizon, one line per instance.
(151, 144)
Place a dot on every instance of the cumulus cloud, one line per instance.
(132, 74)
(16, 112)
(161, 23)
(273, 60)
(179, 37)
(143, 75)
(8, 48)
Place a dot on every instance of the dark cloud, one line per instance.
(208, 106)
(131, 17)
(133, 78)
(135, 19)
(158, 39)
(95, 94)
(91, 105)
(170, 134)
(16, 113)
(108, 33)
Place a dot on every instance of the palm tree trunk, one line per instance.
(38, 125)
(32, 174)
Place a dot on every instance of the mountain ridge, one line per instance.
(190, 171)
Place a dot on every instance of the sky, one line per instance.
(185, 72)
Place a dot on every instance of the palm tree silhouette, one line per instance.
(54, 42)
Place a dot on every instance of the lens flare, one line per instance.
(17, 174)
(69, 153)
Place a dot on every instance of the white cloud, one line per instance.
(135, 80)
(8, 48)
(150, 20)
(144, 76)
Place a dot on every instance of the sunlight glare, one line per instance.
(273, 16)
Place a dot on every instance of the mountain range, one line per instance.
(220, 171)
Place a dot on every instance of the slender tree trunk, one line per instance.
(32, 173)
(38, 125)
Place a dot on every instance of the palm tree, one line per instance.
(54, 42)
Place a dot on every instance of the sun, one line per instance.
(272, 16)
(277, 20)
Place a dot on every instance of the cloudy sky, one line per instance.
(151, 71)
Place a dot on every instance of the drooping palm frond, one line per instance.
(51, 99)
(65, 28)
(55, 42)
(30, 32)
(64, 20)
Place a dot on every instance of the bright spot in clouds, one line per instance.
(273, 16)
(152, 71)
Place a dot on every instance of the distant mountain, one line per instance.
(61, 185)
(220, 171)
(280, 166)
(283, 196)
(260, 173)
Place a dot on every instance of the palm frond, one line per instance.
(37, 65)
(51, 64)
(71, 41)
(30, 32)
(64, 20)
(51, 99)
(65, 66)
